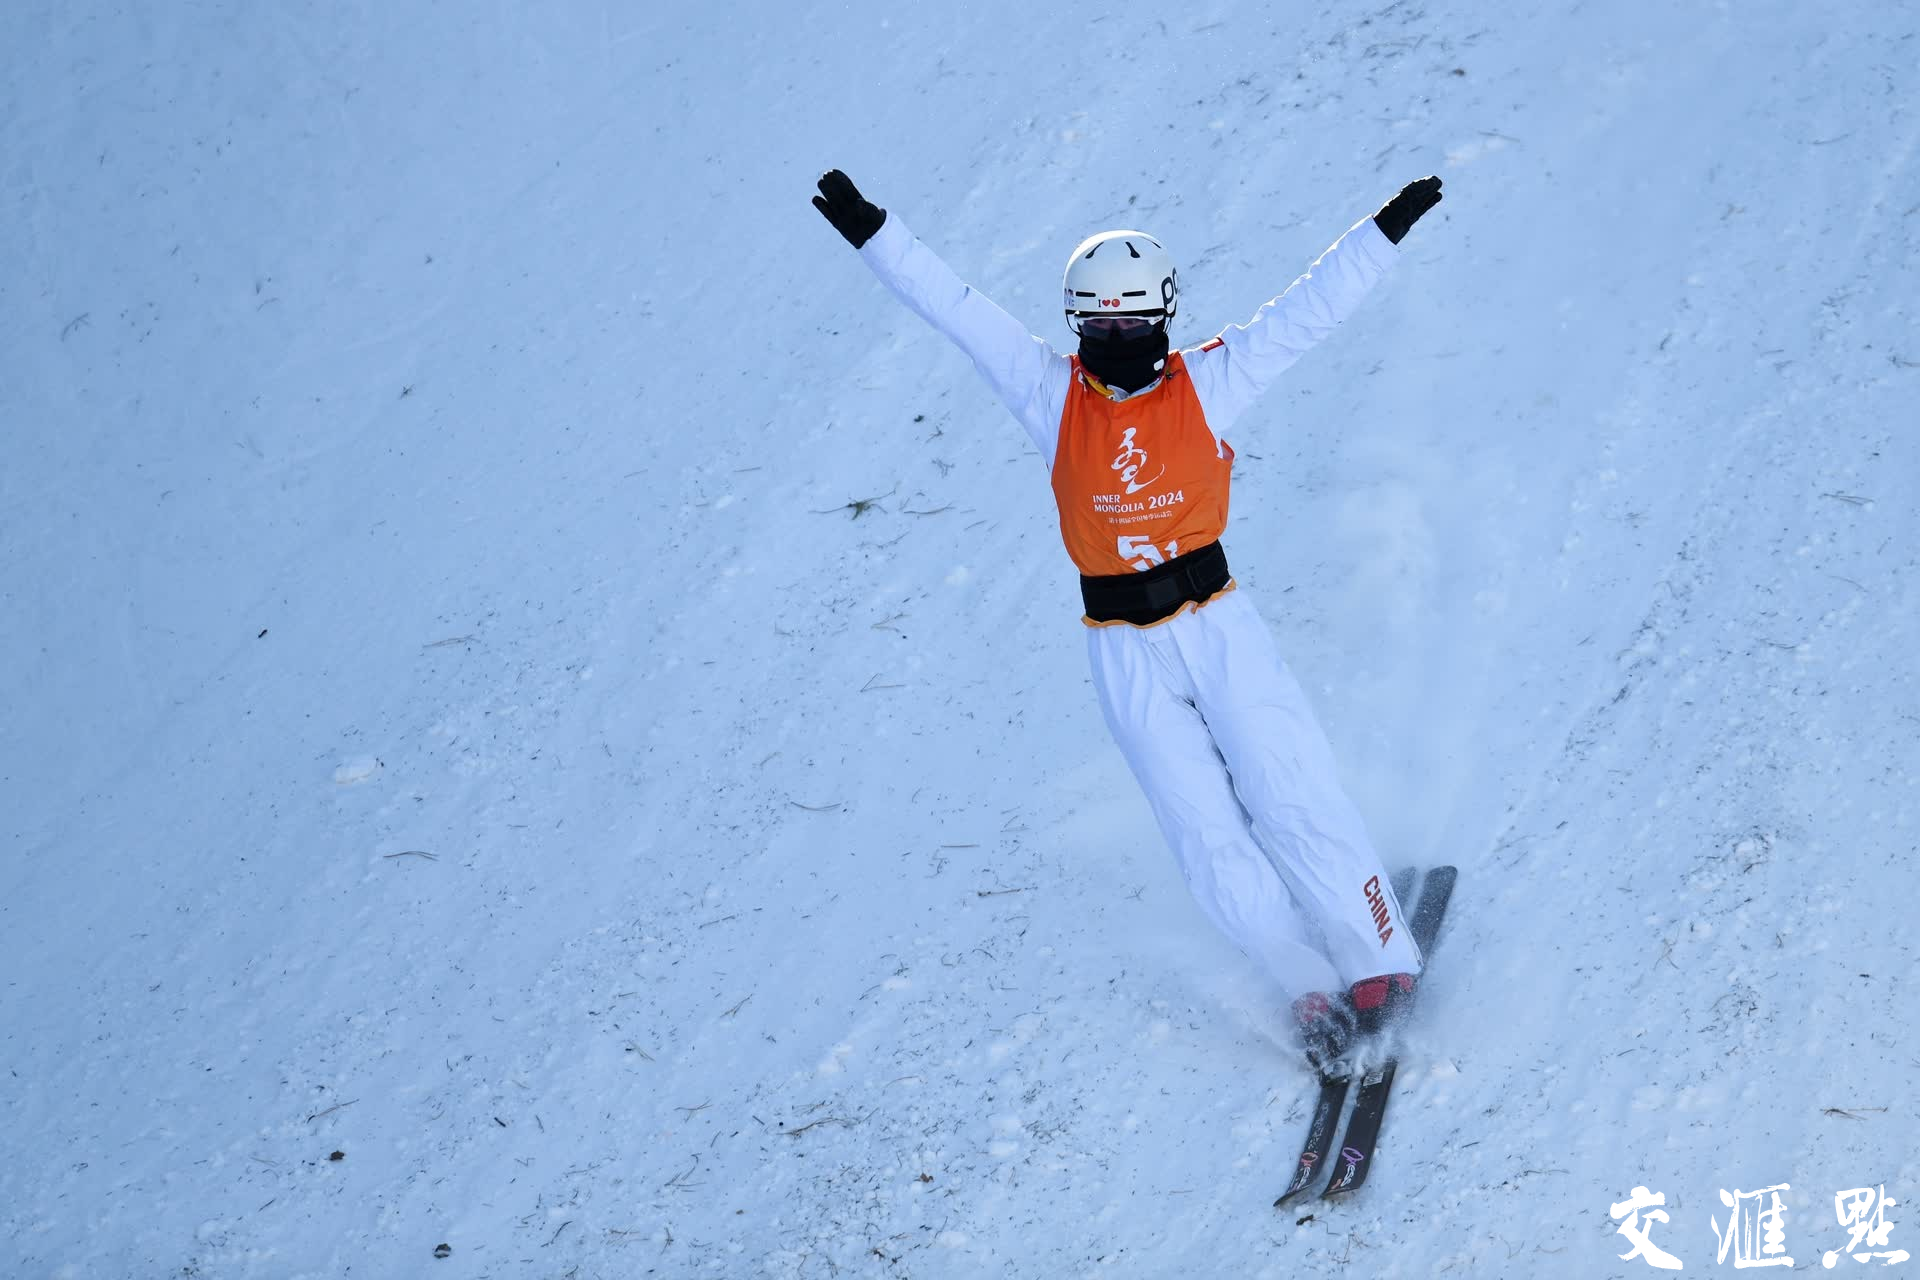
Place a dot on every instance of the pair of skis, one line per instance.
(1376, 1082)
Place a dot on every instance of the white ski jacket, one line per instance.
(1229, 373)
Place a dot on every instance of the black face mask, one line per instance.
(1126, 363)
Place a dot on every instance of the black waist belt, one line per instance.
(1147, 597)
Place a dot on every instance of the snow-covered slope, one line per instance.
(528, 671)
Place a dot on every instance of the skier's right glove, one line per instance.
(852, 214)
(1398, 215)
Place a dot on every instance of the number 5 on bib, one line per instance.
(1149, 554)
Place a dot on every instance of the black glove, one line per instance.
(1401, 212)
(852, 214)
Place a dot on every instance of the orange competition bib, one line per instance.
(1138, 481)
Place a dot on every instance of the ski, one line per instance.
(1334, 1083)
(1326, 1120)
(1370, 1103)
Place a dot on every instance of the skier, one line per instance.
(1216, 730)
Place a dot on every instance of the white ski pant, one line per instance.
(1241, 780)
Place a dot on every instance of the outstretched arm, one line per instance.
(1230, 373)
(1028, 375)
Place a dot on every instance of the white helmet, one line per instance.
(1120, 273)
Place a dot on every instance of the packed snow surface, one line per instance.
(544, 715)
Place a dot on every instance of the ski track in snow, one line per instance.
(535, 676)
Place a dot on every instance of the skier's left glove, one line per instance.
(1399, 214)
(852, 214)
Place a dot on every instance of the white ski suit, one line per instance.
(1216, 730)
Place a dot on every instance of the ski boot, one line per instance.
(1380, 1002)
(1324, 1026)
